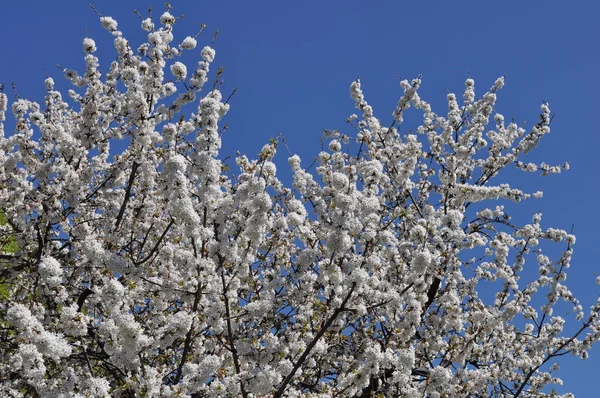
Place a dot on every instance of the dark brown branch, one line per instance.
(431, 293)
(134, 168)
(82, 297)
(311, 345)
(187, 345)
(155, 248)
(4, 256)
(230, 337)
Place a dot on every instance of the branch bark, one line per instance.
(311, 345)
(134, 168)
(230, 337)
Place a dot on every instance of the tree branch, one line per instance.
(230, 337)
(155, 248)
(550, 356)
(311, 345)
(134, 168)
(81, 299)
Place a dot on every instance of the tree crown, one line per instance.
(154, 272)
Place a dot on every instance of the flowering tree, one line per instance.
(155, 273)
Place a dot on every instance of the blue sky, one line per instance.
(293, 63)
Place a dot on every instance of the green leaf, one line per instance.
(4, 292)
(7, 245)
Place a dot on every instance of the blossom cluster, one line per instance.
(155, 273)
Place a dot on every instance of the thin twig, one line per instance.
(95, 9)
(231, 95)
(155, 248)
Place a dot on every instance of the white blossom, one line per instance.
(155, 38)
(167, 19)
(421, 262)
(89, 45)
(179, 70)
(143, 262)
(108, 23)
(208, 54)
(189, 43)
(50, 271)
(147, 25)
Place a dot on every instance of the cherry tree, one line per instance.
(156, 271)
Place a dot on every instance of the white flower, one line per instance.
(499, 83)
(89, 45)
(183, 209)
(421, 262)
(50, 271)
(439, 377)
(294, 162)
(371, 171)
(129, 74)
(37, 118)
(155, 38)
(167, 19)
(108, 23)
(167, 37)
(453, 218)
(19, 316)
(208, 54)
(169, 88)
(19, 107)
(179, 70)
(4, 102)
(339, 181)
(147, 25)
(406, 358)
(31, 361)
(208, 366)
(32, 330)
(53, 345)
(335, 146)
(188, 43)
(72, 321)
(96, 387)
(338, 241)
(269, 168)
(175, 165)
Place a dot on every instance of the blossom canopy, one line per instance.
(157, 271)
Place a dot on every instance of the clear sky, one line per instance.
(293, 63)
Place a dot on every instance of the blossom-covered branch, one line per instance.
(139, 267)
